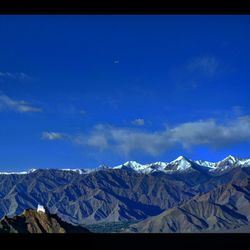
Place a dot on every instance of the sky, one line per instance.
(77, 91)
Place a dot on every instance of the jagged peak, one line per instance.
(103, 166)
(230, 157)
(180, 158)
(132, 163)
(180, 163)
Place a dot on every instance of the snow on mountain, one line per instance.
(228, 163)
(31, 170)
(86, 170)
(207, 164)
(158, 166)
(83, 171)
(180, 164)
(8, 173)
(19, 173)
(229, 160)
(79, 171)
(133, 165)
(102, 166)
(244, 162)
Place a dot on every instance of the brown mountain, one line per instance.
(31, 221)
(125, 193)
(106, 195)
(225, 209)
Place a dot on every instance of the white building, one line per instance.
(40, 208)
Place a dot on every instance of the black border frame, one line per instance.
(125, 241)
(124, 7)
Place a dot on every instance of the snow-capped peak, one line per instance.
(133, 165)
(103, 166)
(31, 170)
(130, 164)
(19, 173)
(230, 158)
(180, 163)
(243, 162)
(180, 158)
(207, 164)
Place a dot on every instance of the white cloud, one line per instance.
(125, 141)
(187, 135)
(15, 76)
(7, 103)
(52, 136)
(138, 122)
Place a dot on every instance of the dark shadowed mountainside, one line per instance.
(129, 192)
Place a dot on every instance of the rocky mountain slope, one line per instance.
(31, 221)
(130, 191)
(226, 208)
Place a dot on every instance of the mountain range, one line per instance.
(225, 208)
(178, 196)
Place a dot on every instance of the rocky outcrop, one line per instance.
(31, 221)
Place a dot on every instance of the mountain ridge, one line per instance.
(114, 194)
(151, 167)
(225, 208)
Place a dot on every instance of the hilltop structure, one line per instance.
(40, 208)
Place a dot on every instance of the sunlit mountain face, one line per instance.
(141, 121)
(135, 196)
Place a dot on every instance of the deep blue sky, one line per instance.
(79, 91)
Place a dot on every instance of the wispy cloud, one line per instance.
(7, 103)
(237, 110)
(15, 76)
(196, 72)
(52, 136)
(138, 122)
(205, 64)
(186, 135)
(211, 133)
(82, 112)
